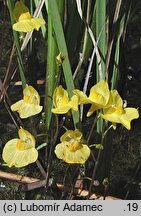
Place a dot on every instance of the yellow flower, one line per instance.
(20, 152)
(62, 102)
(71, 150)
(98, 97)
(115, 113)
(29, 105)
(59, 59)
(25, 22)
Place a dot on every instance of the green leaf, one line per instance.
(58, 29)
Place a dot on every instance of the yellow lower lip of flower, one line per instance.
(26, 98)
(78, 156)
(74, 146)
(23, 146)
(20, 145)
(25, 16)
(61, 109)
(29, 105)
(118, 110)
(19, 157)
(95, 95)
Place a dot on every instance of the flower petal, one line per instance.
(115, 99)
(99, 94)
(37, 22)
(61, 110)
(77, 135)
(16, 106)
(78, 157)
(30, 105)
(74, 103)
(60, 97)
(27, 137)
(66, 136)
(70, 134)
(25, 22)
(82, 155)
(92, 109)
(62, 103)
(19, 9)
(128, 115)
(124, 118)
(82, 97)
(27, 110)
(32, 94)
(24, 16)
(111, 116)
(19, 158)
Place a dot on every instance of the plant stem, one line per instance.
(116, 16)
(97, 161)
(17, 43)
(82, 56)
(94, 173)
(52, 143)
(92, 128)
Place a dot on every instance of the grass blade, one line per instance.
(101, 30)
(43, 27)
(57, 25)
(17, 43)
(51, 71)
